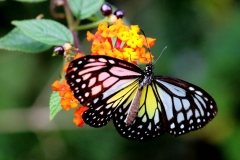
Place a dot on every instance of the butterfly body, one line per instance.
(141, 105)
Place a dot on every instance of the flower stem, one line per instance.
(88, 26)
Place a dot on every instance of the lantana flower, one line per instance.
(121, 41)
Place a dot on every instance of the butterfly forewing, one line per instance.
(93, 78)
(186, 107)
(99, 83)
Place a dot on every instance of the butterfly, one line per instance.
(142, 106)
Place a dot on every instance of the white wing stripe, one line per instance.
(177, 103)
(199, 106)
(174, 89)
(167, 102)
(201, 100)
(186, 104)
(118, 71)
(189, 114)
(180, 117)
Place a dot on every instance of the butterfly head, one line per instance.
(148, 71)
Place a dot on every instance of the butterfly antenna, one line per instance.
(148, 47)
(160, 54)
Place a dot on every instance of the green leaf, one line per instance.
(45, 31)
(16, 40)
(54, 104)
(83, 9)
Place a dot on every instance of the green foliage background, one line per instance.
(203, 39)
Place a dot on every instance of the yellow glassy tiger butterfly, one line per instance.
(141, 105)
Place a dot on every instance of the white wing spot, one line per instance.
(91, 60)
(199, 93)
(172, 126)
(111, 61)
(208, 114)
(150, 126)
(95, 100)
(79, 62)
(198, 120)
(78, 80)
(75, 68)
(83, 85)
(182, 126)
(73, 76)
(87, 94)
(191, 121)
(191, 88)
(102, 60)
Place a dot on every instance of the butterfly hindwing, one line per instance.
(185, 106)
(147, 124)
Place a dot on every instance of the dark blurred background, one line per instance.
(203, 39)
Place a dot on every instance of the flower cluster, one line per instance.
(67, 98)
(121, 41)
(117, 40)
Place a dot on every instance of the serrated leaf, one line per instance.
(16, 40)
(45, 31)
(83, 9)
(54, 104)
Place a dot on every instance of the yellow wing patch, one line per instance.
(128, 92)
(148, 102)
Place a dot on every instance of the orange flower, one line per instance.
(78, 116)
(67, 98)
(120, 41)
